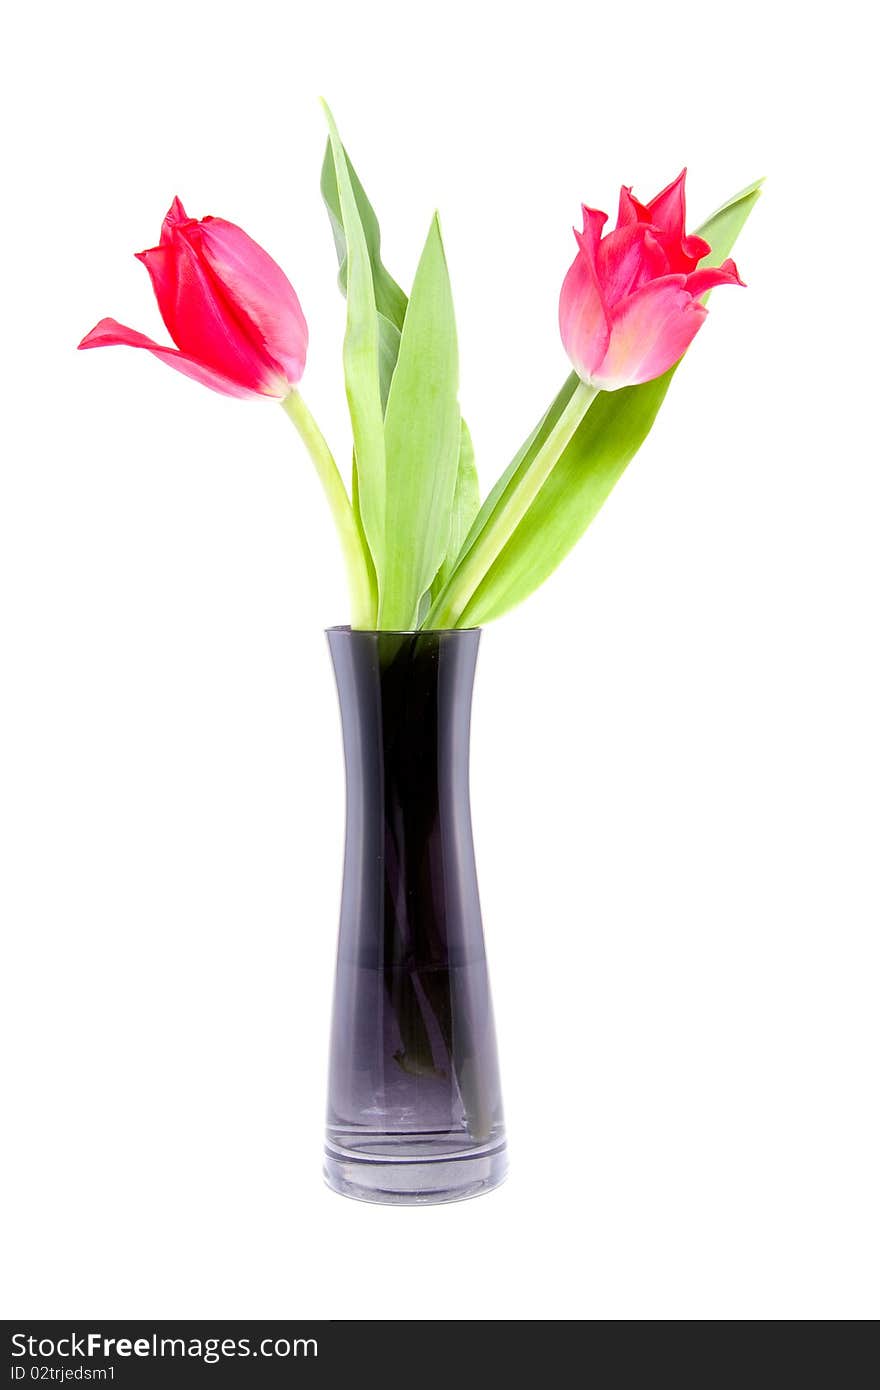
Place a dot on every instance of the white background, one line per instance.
(675, 759)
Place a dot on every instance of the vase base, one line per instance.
(415, 1180)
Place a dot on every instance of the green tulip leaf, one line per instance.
(465, 506)
(606, 440)
(390, 298)
(359, 524)
(725, 225)
(389, 347)
(422, 442)
(391, 303)
(361, 361)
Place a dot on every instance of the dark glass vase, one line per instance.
(414, 1112)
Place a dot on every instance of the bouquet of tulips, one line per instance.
(414, 1103)
(421, 550)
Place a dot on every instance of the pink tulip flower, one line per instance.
(630, 304)
(228, 306)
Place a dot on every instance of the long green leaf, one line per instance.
(608, 438)
(389, 347)
(361, 360)
(465, 505)
(390, 298)
(371, 568)
(422, 438)
(391, 302)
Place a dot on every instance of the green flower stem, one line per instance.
(451, 603)
(335, 491)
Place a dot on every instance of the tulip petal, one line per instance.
(109, 333)
(583, 318)
(173, 217)
(160, 264)
(594, 221)
(257, 286)
(667, 209)
(649, 332)
(694, 248)
(700, 281)
(630, 210)
(626, 258)
(201, 321)
(682, 253)
(667, 212)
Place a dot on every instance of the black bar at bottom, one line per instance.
(94, 1352)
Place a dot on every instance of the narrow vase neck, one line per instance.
(405, 700)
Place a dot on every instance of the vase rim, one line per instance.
(401, 631)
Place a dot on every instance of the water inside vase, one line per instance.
(414, 1066)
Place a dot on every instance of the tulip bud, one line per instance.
(228, 306)
(630, 303)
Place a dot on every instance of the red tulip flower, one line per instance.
(630, 304)
(228, 306)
